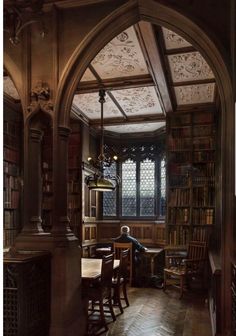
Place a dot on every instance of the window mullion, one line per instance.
(138, 186)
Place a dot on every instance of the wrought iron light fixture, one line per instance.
(101, 180)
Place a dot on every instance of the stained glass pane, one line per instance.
(163, 188)
(147, 188)
(129, 188)
(109, 198)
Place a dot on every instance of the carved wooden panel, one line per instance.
(27, 295)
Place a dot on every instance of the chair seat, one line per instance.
(175, 271)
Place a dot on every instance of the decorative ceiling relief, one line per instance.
(138, 101)
(122, 57)
(188, 67)
(9, 88)
(87, 76)
(135, 128)
(89, 104)
(195, 94)
(173, 40)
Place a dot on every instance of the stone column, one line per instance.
(68, 317)
(33, 184)
(60, 171)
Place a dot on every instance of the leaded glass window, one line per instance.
(109, 197)
(147, 188)
(129, 191)
(163, 187)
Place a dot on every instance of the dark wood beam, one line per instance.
(194, 82)
(117, 104)
(115, 84)
(151, 52)
(180, 50)
(129, 120)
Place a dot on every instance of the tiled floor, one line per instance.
(155, 313)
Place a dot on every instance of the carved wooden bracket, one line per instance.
(40, 99)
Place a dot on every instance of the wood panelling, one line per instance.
(149, 233)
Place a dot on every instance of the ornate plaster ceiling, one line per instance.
(173, 40)
(135, 128)
(195, 94)
(89, 105)
(122, 57)
(188, 67)
(138, 101)
(88, 76)
(9, 88)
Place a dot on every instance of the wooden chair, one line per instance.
(117, 248)
(120, 281)
(181, 270)
(99, 293)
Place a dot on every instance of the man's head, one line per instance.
(124, 229)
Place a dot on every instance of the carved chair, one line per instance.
(99, 293)
(118, 248)
(120, 281)
(180, 270)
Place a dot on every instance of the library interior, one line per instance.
(119, 191)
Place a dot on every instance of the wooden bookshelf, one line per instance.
(47, 180)
(12, 177)
(74, 179)
(191, 146)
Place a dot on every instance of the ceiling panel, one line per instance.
(188, 67)
(173, 40)
(88, 103)
(9, 88)
(195, 94)
(138, 101)
(135, 128)
(88, 76)
(122, 57)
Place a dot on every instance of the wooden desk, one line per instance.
(152, 253)
(91, 268)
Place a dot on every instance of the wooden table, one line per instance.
(152, 253)
(91, 268)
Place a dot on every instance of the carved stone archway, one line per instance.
(156, 13)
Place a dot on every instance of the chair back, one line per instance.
(124, 262)
(196, 250)
(107, 270)
(118, 249)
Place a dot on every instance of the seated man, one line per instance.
(137, 248)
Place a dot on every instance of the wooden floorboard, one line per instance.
(155, 313)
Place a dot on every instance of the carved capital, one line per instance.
(63, 132)
(41, 91)
(36, 135)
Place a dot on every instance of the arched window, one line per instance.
(147, 188)
(142, 192)
(129, 188)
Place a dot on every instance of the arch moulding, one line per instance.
(156, 13)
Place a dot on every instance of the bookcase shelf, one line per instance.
(191, 147)
(12, 177)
